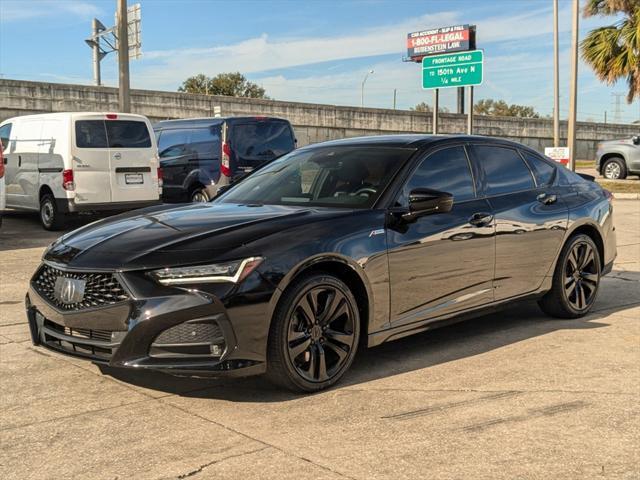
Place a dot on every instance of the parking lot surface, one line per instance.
(510, 395)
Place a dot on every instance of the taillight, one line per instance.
(160, 177)
(67, 180)
(608, 195)
(225, 163)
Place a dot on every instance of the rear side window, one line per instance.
(504, 169)
(261, 140)
(446, 170)
(112, 134)
(199, 142)
(541, 169)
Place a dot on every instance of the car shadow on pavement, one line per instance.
(421, 351)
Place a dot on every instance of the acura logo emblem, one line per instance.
(69, 290)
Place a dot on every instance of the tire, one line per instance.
(50, 217)
(199, 195)
(576, 280)
(614, 169)
(310, 354)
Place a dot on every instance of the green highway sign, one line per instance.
(452, 70)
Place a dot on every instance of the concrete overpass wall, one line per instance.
(312, 122)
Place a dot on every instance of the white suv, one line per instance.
(62, 163)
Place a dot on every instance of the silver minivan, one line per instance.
(62, 163)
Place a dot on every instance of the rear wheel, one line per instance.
(199, 195)
(575, 281)
(614, 169)
(314, 334)
(50, 217)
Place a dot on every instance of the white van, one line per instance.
(61, 163)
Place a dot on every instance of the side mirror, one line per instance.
(424, 201)
(636, 140)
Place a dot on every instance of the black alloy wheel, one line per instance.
(575, 281)
(315, 335)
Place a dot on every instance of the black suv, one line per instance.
(199, 155)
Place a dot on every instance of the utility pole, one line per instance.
(395, 92)
(124, 99)
(461, 100)
(95, 47)
(556, 79)
(573, 95)
(436, 107)
(470, 113)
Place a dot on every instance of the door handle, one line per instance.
(481, 219)
(546, 199)
(19, 160)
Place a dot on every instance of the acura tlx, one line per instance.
(332, 247)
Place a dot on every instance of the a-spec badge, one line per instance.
(379, 231)
(69, 290)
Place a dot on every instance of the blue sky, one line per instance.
(310, 51)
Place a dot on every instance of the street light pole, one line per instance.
(573, 95)
(96, 51)
(362, 87)
(124, 99)
(556, 79)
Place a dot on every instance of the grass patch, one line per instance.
(585, 164)
(629, 186)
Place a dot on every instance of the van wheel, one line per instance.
(199, 195)
(50, 217)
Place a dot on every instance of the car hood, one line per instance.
(153, 236)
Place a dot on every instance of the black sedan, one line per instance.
(332, 247)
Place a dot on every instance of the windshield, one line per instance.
(352, 177)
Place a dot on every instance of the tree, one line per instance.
(500, 108)
(613, 52)
(426, 108)
(229, 84)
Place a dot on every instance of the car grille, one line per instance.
(101, 289)
(96, 344)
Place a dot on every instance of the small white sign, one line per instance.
(558, 154)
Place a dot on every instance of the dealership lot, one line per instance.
(510, 395)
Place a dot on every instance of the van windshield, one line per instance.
(112, 134)
(350, 177)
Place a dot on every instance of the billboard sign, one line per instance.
(452, 70)
(457, 38)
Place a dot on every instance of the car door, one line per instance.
(634, 155)
(175, 160)
(444, 262)
(530, 219)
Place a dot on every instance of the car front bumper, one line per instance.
(129, 334)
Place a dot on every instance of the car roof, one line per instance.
(415, 141)
(209, 121)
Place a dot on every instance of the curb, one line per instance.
(626, 196)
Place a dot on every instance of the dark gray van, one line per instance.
(199, 155)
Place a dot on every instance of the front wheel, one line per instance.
(575, 280)
(314, 334)
(50, 217)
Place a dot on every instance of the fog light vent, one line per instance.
(189, 340)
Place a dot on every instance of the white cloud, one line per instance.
(18, 10)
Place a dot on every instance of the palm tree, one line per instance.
(614, 51)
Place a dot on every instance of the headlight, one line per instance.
(233, 272)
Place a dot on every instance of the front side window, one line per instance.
(5, 132)
(504, 169)
(446, 170)
(350, 177)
